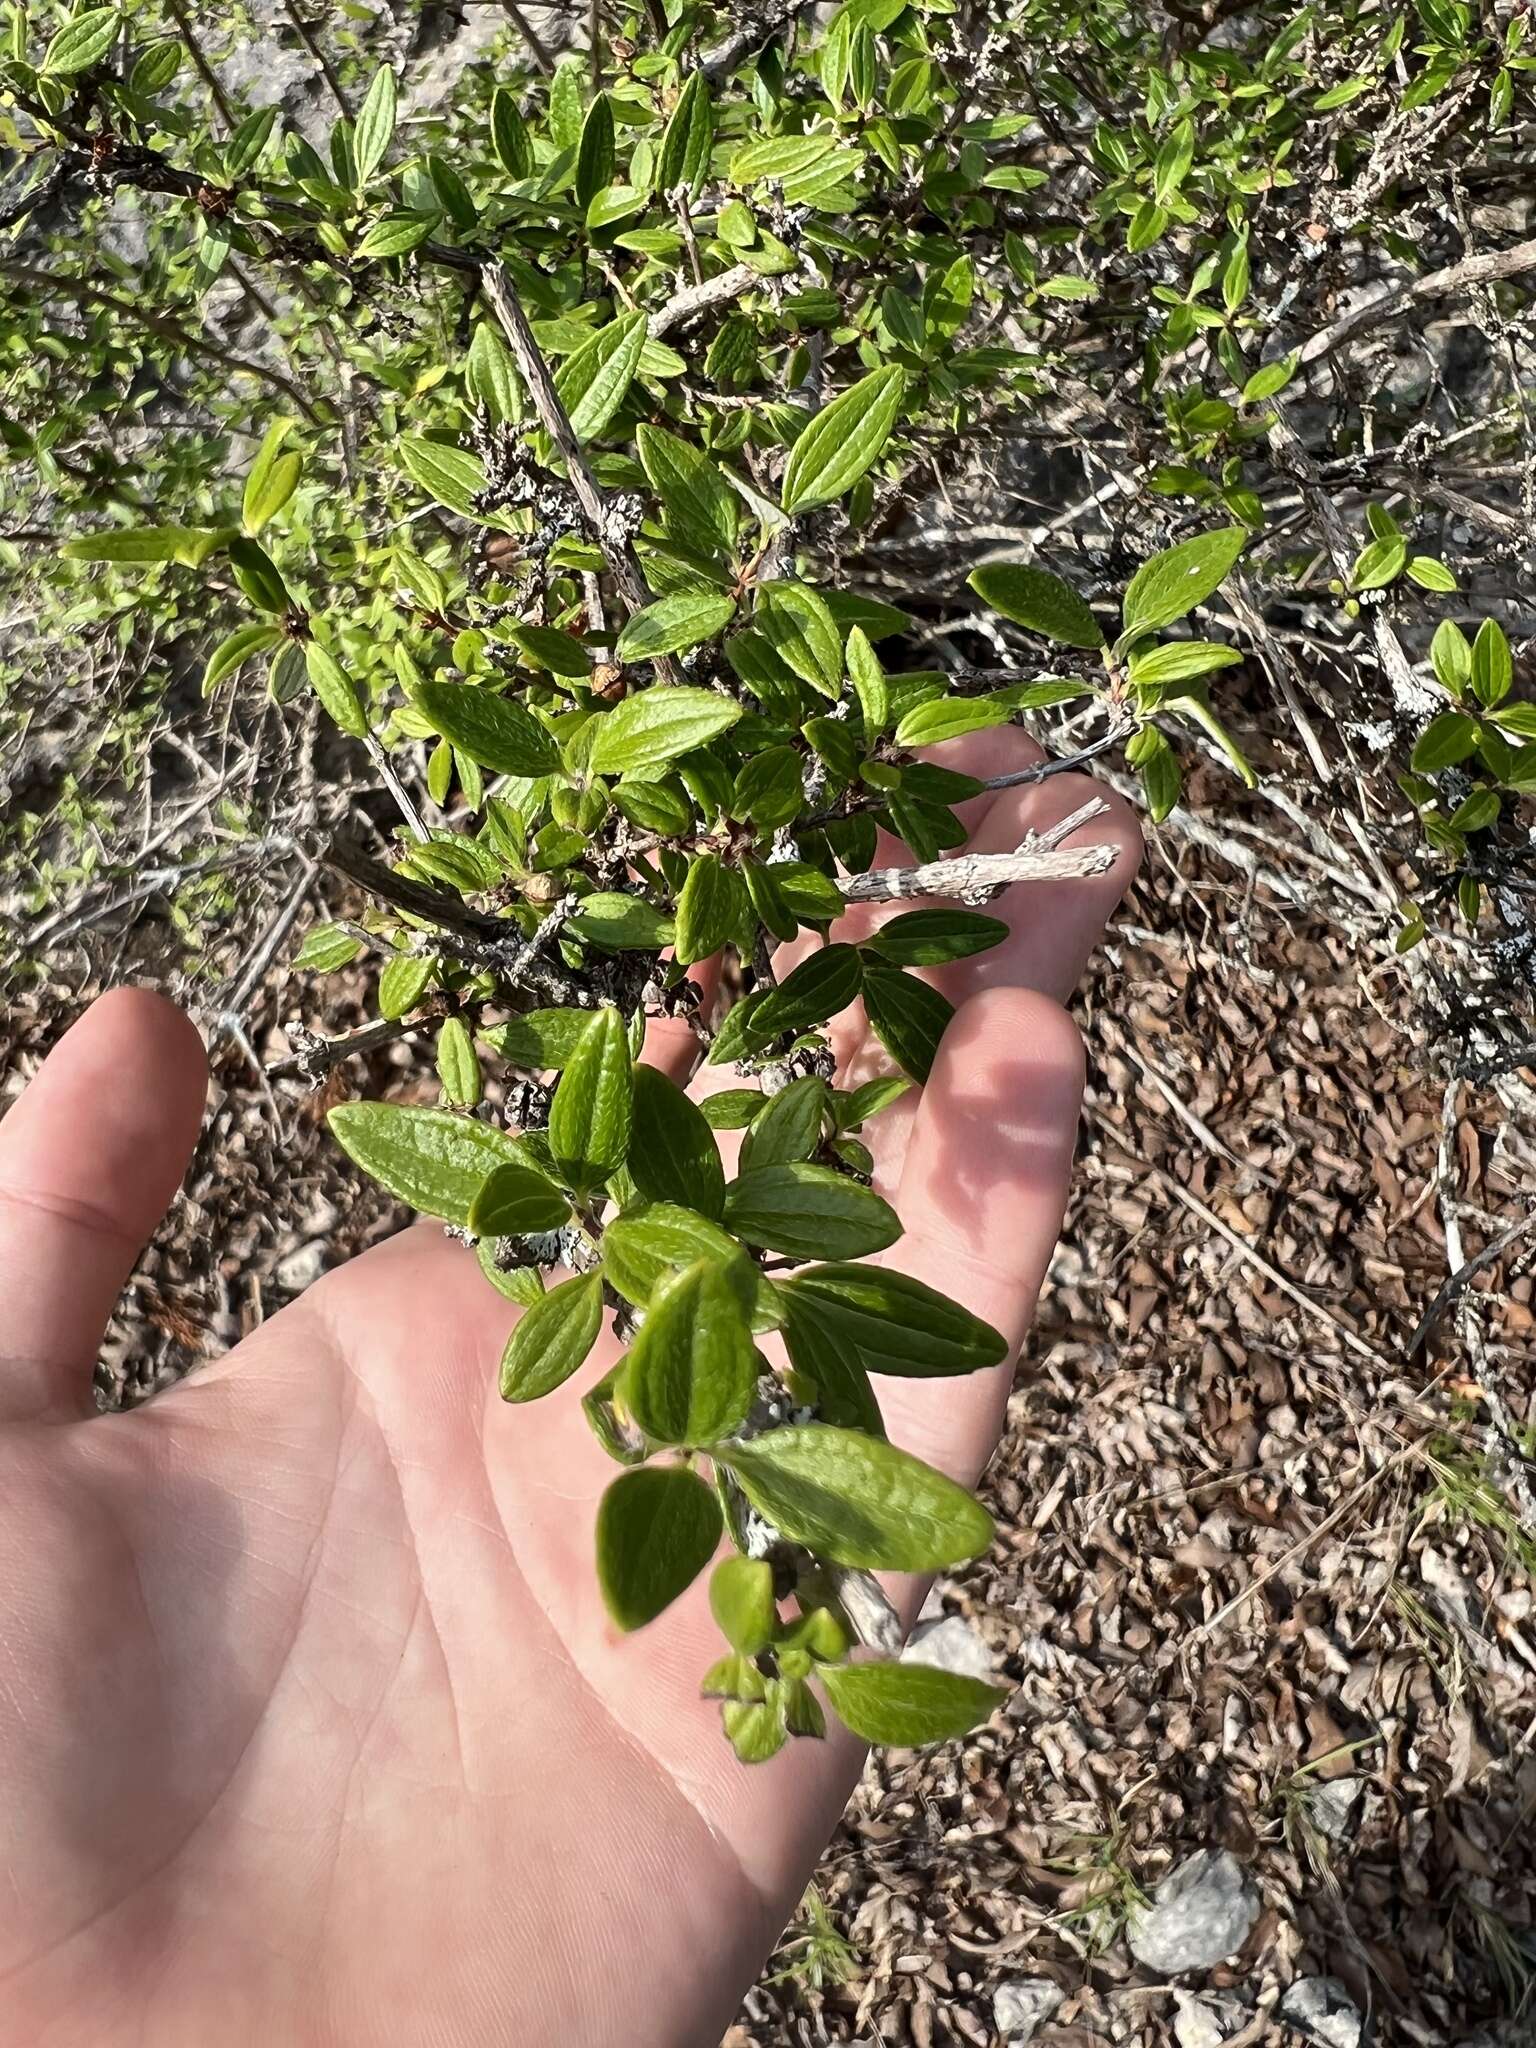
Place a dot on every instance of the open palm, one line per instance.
(312, 1728)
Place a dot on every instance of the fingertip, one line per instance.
(90, 1155)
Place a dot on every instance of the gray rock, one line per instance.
(301, 1268)
(1022, 2006)
(1199, 1915)
(950, 1645)
(1331, 1804)
(1323, 2010)
(1206, 2022)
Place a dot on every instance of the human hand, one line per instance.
(312, 1727)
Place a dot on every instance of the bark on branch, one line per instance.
(534, 371)
(977, 877)
(1488, 268)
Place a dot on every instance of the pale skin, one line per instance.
(312, 1728)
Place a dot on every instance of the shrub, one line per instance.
(535, 444)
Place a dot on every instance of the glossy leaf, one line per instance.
(929, 938)
(893, 1324)
(690, 1373)
(435, 1161)
(673, 1156)
(498, 732)
(655, 726)
(908, 1016)
(842, 441)
(1174, 582)
(857, 1499)
(514, 1201)
(905, 1705)
(809, 1212)
(741, 1600)
(1038, 601)
(592, 1112)
(712, 909)
(657, 1528)
(553, 1339)
(674, 624)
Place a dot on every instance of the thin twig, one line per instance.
(977, 877)
(608, 533)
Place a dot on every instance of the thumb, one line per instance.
(90, 1157)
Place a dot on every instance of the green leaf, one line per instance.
(741, 1599)
(514, 1201)
(674, 624)
(858, 1500)
(552, 1339)
(135, 544)
(712, 909)
(644, 1245)
(1493, 671)
(237, 649)
(498, 732)
(657, 1528)
(396, 234)
(1177, 660)
(403, 982)
(1038, 601)
(1158, 765)
(842, 441)
(1451, 656)
(673, 1156)
(82, 42)
(509, 135)
(592, 383)
(907, 1016)
(827, 1370)
(375, 125)
(768, 788)
(1444, 741)
(798, 625)
(593, 1108)
(690, 1373)
(1380, 563)
(788, 1126)
(869, 683)
(335, 689)
(824, 984)
(1174, 582)
(654, 726)
(595, 153)
(1270, 379)
(567, 97)
(452, 476)
(947, 718)
(272, 478)
(327, 947)
(493, 379)
(930, 938)
(1429, 573)
(435, 1161)
(538, 1040)
(809, 1212)
(620, 923)
(257, 575)
(703, 512)
(892, 1324)
(906, 1705)
(757, 1731)
(458, 1069)
(687, 140)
